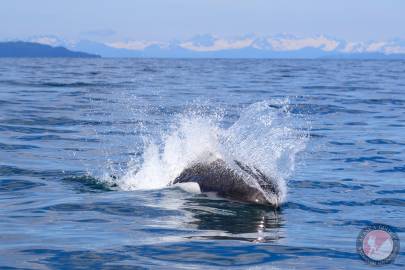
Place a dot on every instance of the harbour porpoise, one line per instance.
(217, 177)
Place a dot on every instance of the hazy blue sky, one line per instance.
(179, 19)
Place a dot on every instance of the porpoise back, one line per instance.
(217, 177)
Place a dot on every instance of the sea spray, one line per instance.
(266, 136)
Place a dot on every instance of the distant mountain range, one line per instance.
(31, 49)
(248, 46)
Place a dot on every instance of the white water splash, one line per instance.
(266, 136)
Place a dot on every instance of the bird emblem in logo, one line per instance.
(378, 244)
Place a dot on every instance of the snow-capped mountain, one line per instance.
(50, 40)
(256, 46)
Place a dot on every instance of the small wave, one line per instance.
(264, 137)
(49, 84)
(324, 185)
(113, 208)
(51, 138)
(10, 185)
(86, 183)
(13, 147)
(388, 201)
(400, 191)
(383, 141)
(291, 205)
(30, 130)
(395, 169)
(7, 170)
(72, 84)
(48, 121)
(375, 159)
(355, 124)
(378, 201)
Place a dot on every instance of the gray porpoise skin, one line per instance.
(219, 178)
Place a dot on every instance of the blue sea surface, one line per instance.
(68, 124)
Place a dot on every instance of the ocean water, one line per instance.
(88, 147)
